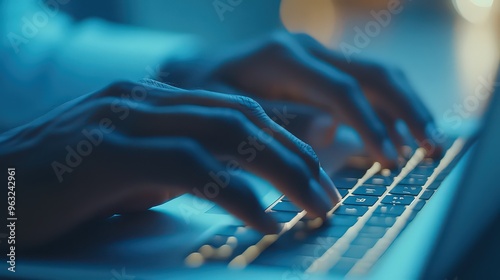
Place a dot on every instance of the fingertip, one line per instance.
(329, 186)
(321, 203)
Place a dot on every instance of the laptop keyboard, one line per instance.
(377, 204)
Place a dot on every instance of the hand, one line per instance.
(132, 146)
(296, 68)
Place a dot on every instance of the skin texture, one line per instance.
(132, 146)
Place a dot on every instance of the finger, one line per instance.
(159, 164)
(315, 127)
(226, 133)
(253, 111)
(340, 94)
(390, 125)
(405, 104)
(400, 95)
(329, 187)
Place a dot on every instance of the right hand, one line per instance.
(295, 68)
(132, 146)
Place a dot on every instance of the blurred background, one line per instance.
(448, 48)
(426, 38)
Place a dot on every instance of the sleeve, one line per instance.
(47, 59)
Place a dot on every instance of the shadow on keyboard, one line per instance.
(377, 204)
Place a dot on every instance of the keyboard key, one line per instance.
(282, 217)
(244, 237)
(355, 252)
(289, 238)
(311, 250)
(398, 199)
(412, 216)
(379, 180)
(406, 190)
(353, 210)
(361, 200)
(333, 231)
(389, 172)
(343, 192)
(286, 206)
(434, 185)
(441, 176)
(372, 231)
(285, 198)
(365, 241)
(345, 183)
(227, 230)
(420, 204)
(343, 220)
(427, 194)
(413, 181)
(418, 176)
(428, 162)
(246, 234)
(319, 240)
(344, 265)
(381, 221)
(427, 171)
(303, 262)
(447, 170)
(372, 191)
(290, 261)
(394, 210)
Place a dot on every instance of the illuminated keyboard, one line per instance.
(377, 204)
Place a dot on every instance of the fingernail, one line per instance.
(325, 181)
(322, 202)
(389, 150)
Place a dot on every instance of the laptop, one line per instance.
(432, 219)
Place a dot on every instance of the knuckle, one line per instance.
(308, 150)
(118, 88)
(247, 102)
(249, 105)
